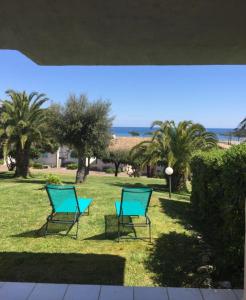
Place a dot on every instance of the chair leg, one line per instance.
(150, 232)
(46, 228)
(69, 229)
(118, 230)
(77, 230)
(148, 222)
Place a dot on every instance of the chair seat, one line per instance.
(130, 208)
(68, 206)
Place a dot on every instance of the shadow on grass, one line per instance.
(175, 259)
(155, 187)
(179, 210)
(111, 229)
(126, 232)
(224, 269)
(32, 233)
(6, 175)
(179, 259)
(61, 229)
(40, 181)
(34, 179)
(62, 268)
(53, 229)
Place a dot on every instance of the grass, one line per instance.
(171, 259)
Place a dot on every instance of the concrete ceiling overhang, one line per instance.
(125, 32)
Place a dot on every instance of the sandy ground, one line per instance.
(225, 145)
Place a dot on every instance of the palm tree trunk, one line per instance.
(18, 163)
(26, 155)
(117, 165)
(178, 182)
(22, 161)
(148, 171)
(81, 171)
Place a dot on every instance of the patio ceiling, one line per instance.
(126, 32)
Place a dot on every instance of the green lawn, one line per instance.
(171, 259)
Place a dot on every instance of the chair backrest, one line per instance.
(62, 196)
(136, 200)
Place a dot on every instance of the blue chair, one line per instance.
(134, 203)
(64, 200)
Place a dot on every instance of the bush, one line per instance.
(53, 179)
(37, 165)
(1, 162)
(218, 199)
(72, 166)
(109, 170)
(67, 162)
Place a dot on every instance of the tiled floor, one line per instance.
(38, 291)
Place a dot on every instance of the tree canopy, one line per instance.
(85, 127)
(117, 157)
(173, 145)
(23, 127)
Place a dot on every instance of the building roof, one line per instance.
(126, 143)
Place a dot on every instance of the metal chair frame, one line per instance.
(77, 214)
(147, 222)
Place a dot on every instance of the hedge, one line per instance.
(72, 166)
(218, 200)
(37, 165)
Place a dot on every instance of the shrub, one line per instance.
(53, 179)
(1, 162)
(68, 162)
(37, 165)
(206, 191)
(109, 170)
(218, 199)
(72, 166)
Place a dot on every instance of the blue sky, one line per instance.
(212, 95)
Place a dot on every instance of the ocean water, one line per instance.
(144, 131)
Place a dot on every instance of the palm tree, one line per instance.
(22, 123)
(240, 131)
(173, 145)
(242, 125)
(144, 155)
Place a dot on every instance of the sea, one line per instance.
(222, 133)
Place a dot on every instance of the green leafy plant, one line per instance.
(109, 170)
(52, 179)
(37, 165)
(117, 157)
(72, 166)
(218, 198)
